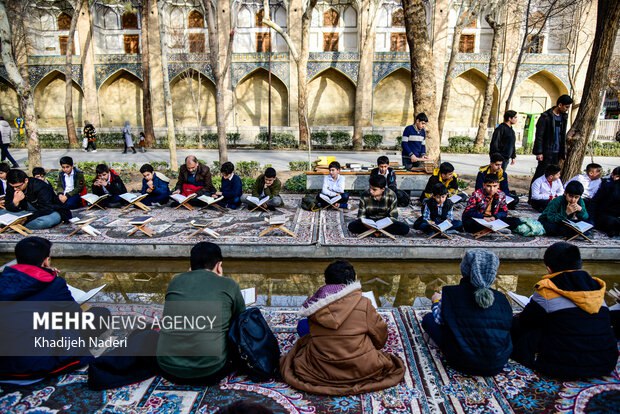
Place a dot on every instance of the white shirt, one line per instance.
(590, 187)
(69, 185)
(541, 190)
(333, 187)
(3, 185)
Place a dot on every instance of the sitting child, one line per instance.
(341, 354)
(71, 184)
(375, 204)
(591, 182)
(333, 185)
(108, 182)
(232, 187)
(39, 173)
(568, 207)
(607, 205)
(488, 203)
(546, 187)
(4, 170)
(155, 185)
(437, 209)
(495, 167)
(266, 185)
(471, 322)
(446, 176)
(384, 169)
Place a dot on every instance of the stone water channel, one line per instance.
(289, 282)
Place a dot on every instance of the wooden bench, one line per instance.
(414, 182)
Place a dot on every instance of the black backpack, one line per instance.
(255, 345)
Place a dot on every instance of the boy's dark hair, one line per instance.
(4, 167)
(334, 164)
(491, 178)
(245, 407)
(378, 181)
(101, 168)
(66, 161)
(339, 272)
(616, 171)
(552, 169)
(439, 189)
(146, 168)
(32, 250)
(574, 188)
(16, 176)
(421, 117)
(562, 256)
(445, 168)
(383, 160)
(593, 166)
(227, 168)
(509, 114)
(496, 157)
(205, 255)
(270, 172)
(38, 171)
(564, 100)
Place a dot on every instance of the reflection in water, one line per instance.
(289, 283)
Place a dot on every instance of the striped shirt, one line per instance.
(373, 209)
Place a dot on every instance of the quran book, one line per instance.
(455, 198)
(132, 198)
(379, 224)
(210, 200)
(494, 225)
(614, 293)
(205, 226)
(80, 296)
(180, 198)
(277, 220)
(519, 299)
(371, 296)
(509, 199)
(249, 296)
(330, 200)
(10, 219)
(256, 201)
(582, 226)
(443, 226)
(93, 198)
(140, 220)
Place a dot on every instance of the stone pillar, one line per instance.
(157, 76)
(87, 58)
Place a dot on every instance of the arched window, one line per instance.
(64, 21)
(129, 21)
(350, 17)
(195, 20)
(398, 18)
(382, 20)
(331, 18)
(245, 18)
(258, 18)
(110, 19)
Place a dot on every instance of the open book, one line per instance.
(80, 296)
(494, 225)
(180, 198)
(371, 296)
(140, 220)
(93, 198)
(249, 295)
(256, 201)
(379, 224)
(330, 200)
(519, 299)
(443, 226)
(277, 220)
(132, 198)
(210, 200)
(614, 293)
(205, 226)
(509, 199)
(581, 226)
(87, 228)
(10, 219)
(455, 198)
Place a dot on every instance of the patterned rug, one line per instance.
(429, 385)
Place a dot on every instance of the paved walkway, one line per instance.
(464, 163)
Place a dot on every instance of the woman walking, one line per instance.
(127, 138)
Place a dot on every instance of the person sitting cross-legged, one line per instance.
(495, 167)
(377, 203)
(488, 203)
(546, 187)
(591, 182)
(384, 169)
(155, 184)
(194, 177)
(569, 206)
(437, 209)
(333, 185)
(266, 185)
(232, 187)
(108, 182)
(607, 205)
(71, 184)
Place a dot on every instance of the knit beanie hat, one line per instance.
(480, 267)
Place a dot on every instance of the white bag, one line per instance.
(84, 142)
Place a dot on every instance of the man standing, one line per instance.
(5, 134)
(550, 141)
(503, 141)
(414, 142)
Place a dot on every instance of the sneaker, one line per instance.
(94, 150)
(84, 149)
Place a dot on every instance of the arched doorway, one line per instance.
(331, 99)
(252, 100)
(49, 100)
(193, 98)
(392, 104)
(467, 99)
(120, 100)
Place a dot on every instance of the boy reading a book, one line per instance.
(266, 185)
(495, 167)
(384, 169)
(570, 207)
(155, 185)
(333, 186)
(488, 203)
(436, 210)
(377, 203)
(232, 187)
(71, 184)
(591, 182)
(546, 187)
(445, 175)
(108, 182)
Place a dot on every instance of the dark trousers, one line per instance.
(609, 224)
(548, 159)
(539, 205)
(344, 200)
(525, 344)
(212, 379)
(397, 228)
(558, 229)
(231, 202)
(409, 165)
(7, 155)
(434, 330)
(472, 226)
(403, 198)
(73, 202)
(422, 225)
(160, 199)
(505, 164)
(91, 144)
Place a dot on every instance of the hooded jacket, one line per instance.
(342, 353)
(39, 195)
(452, 185)
(568, 326)
(545, 133)
(115, 187)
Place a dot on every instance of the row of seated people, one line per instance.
(565, 331)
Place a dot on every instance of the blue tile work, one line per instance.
(174, 69)
(380, 70)
(241, 69)
(38, 72)
(560, 71)
(348, 68)
(104, 71)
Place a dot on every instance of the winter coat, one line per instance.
(271, 191)
(545, 133)
(390, 179)
(79, 183)
(127, 136)
(5, 132)
(203, 178)
(160, 185)
(477, 205)
(115, 186)
(39, 195)
(503, 142)
(501, 176)
(452, 185)
(342, 353)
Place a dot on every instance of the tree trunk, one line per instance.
(487, 104)
(447, 83)
(70, 122)
(607, 22)
(302, 101)
(423, 84)
(170, 133)
(220, 114)
(19, 77)
(147, 113)
(364, 76)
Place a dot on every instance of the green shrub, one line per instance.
(296, 184)
(278, 140)
(341, 139)
(399, 143)
(248, 184)
(460, 140)
(248, 168)
(372, 141)
(210, 139)
(87, 167)
(319, 138)
(462, 183)
(217, 181)
(299, 166)
(162, 166)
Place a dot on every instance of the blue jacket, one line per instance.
(160, 187)
(232, 188)
(414, 142)
(21, 287)
(477, 341)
